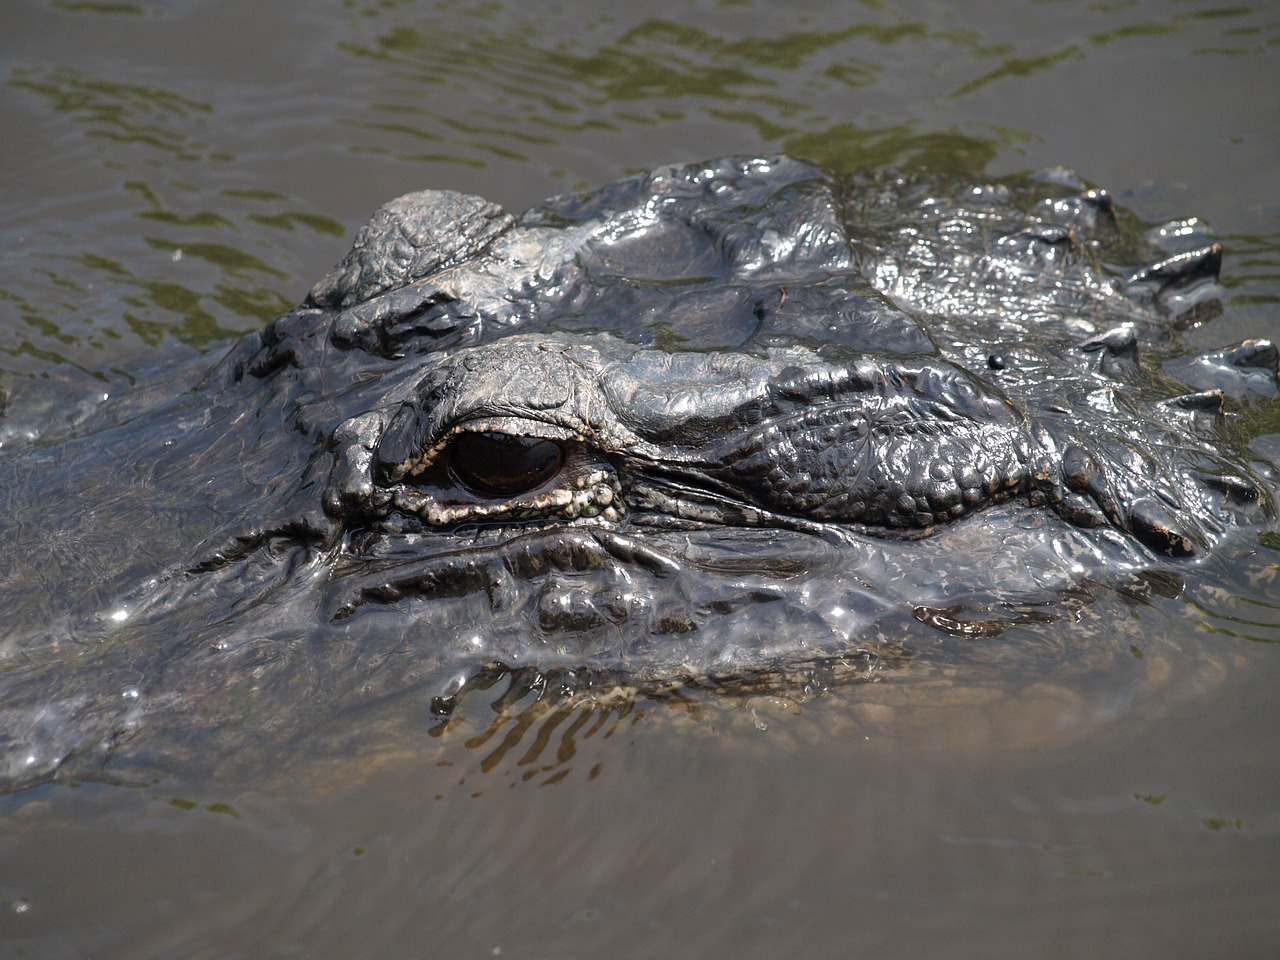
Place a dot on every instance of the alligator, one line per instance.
(738, 419)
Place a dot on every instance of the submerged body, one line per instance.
(734, 420)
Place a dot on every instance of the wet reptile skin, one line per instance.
(734, 419)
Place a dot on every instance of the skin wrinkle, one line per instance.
(770, 470)
(778, 437)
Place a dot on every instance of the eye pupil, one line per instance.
(502, 464)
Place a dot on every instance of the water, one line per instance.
(178, 173)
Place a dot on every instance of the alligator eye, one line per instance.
(502, 464)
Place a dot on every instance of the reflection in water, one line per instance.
(1240, 602)
(962, 815)
(542, 736)
(786, 80)
(197, 283)
(1019, 67)
(1256, 281)
(656, 73)
(128, 114)
(1015, 66)
(102, 7)
(846, 146)
(476, 87)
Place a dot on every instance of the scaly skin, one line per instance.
(734, 422)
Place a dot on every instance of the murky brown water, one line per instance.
(177, 173)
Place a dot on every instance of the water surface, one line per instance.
(177, 173)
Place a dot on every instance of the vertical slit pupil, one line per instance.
(502, 464)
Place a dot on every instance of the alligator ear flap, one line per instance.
(410, 238)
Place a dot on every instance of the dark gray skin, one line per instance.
(734, 420)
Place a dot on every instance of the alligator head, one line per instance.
(740, 418)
